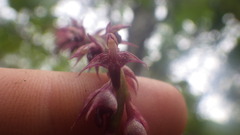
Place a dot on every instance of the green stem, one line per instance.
(122, 95)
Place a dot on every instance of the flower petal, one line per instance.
(111, 39)
(96, 40)
(81, 51)
(131, 78)
(99, 60)
(126, 57)
(128, 43)
(115, 28)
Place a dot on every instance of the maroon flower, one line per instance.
(113, 60)
(107, 103)
(102, 102)
(89, 45)
(70, 37)
(114, 30)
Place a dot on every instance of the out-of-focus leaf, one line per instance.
(31, 4)
(10, 40)
(202, 12)
(44, 23)
(199, 11)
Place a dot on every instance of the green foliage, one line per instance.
(199, 11)
(26, 40)
(31, 4)
(44, 23)
(147, 4)
(10, 40)
(225, 6)
(207, 13)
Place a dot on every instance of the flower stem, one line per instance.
(122, 95)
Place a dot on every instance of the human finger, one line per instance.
(47, 102)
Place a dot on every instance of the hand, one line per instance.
(34, 102)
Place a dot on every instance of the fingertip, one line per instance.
(59, 96)
(162, 106)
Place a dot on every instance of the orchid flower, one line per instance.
(107, 103)
(113, 60)
(70, 37)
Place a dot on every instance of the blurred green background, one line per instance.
(192, 44)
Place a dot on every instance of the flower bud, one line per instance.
(136, 125)
(102, 103)
(105, 102)
(70, 37)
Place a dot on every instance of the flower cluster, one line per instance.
(107, 103)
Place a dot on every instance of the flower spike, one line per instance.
(106, 104)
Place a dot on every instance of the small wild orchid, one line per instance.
(107, 103)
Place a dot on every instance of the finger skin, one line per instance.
(35, 102)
